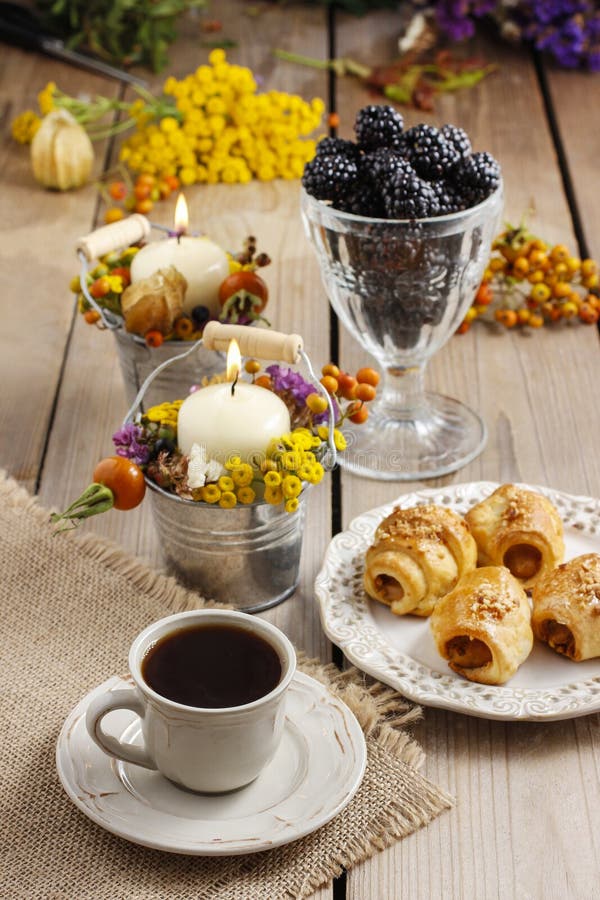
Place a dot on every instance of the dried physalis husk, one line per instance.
(153, 304)
(61, 152)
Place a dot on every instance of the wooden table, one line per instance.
(526, 819)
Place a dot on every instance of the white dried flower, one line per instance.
(201, 469)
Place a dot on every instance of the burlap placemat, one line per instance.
(70, 608)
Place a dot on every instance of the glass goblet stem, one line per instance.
(402, 391)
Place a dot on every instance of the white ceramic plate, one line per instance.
(400, 651)
(314, 774)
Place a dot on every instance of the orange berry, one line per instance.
(252, 366)
(330, 369)
(561, 290)
(316, 403)
(536, 320)
(113, 214)
(506, 317)
(333, 120)
(497, 264)
(117, 190)
(559, 253)
(539, 244)
(164, 190)
(145, 179)
(100, 287)
(330, 384)
(360, 415)
(589, 267)
(591, 281)
(91, 316)
(365, 392)
(142, 191)
(143, 206)
(535, 277)
(183, 327)
(540, 293)
(347, 385)
(588, 314)
(537, 258)
(523, 316)
(172, 181)
(463, 327)
(264, 381)
(472, 313)
(153, 338)
(520, 266)
(569, 309)
(367, 375)
(484, 295)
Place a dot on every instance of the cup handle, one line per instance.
(102, 705)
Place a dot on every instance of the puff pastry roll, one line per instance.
(417, 556)
(483, 627)
(566, 608)
(519, 529)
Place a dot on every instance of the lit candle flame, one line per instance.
(182, 218)
(234, 360)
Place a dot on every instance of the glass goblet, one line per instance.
(402, 288)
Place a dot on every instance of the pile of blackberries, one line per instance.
(390, 173)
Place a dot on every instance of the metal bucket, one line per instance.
(138, 361)
(248, 556)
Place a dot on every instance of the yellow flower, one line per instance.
(233, 462)
(245, 494)
(116, 284)
(24, 126)
(211, 493)
(226, 483)
(291, 505)
(291, 460)
(273, 495)
(272, 479)
(291, 486)
(227, 500)
(46, 98)
(242, 475)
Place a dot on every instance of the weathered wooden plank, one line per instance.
(525, 387)
(92, 402)
(38, 230)
(575, 97)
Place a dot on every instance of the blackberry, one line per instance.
(381, 164)
(332, 145)
(328, 177)
(477, 177)
(378, 126)
(406, 196)
(458, 138)
(428, 152)
(450, 198)
(363, 199)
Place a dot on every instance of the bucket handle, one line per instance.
(101, 241)
(256, 342)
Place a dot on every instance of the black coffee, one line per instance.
(212, 666)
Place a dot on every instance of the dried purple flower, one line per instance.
(127, 444)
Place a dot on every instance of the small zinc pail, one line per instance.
(248, 556)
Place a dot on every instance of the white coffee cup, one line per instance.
(208, 750)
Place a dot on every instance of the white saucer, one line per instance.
(314, 774)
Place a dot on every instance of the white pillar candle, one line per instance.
(241, 424)
(203, 264)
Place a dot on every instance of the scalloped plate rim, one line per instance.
(378, 668)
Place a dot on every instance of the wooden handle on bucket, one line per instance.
(259, 342)
(111, 237)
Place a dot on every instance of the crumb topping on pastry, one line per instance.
(487, 602)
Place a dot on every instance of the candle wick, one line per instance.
(234, 384)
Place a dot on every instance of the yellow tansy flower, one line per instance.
(211, 493)
(226, 483)
(291, 505)
(272, 479)
(227, 500)
(273, 495)
(245, 494)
